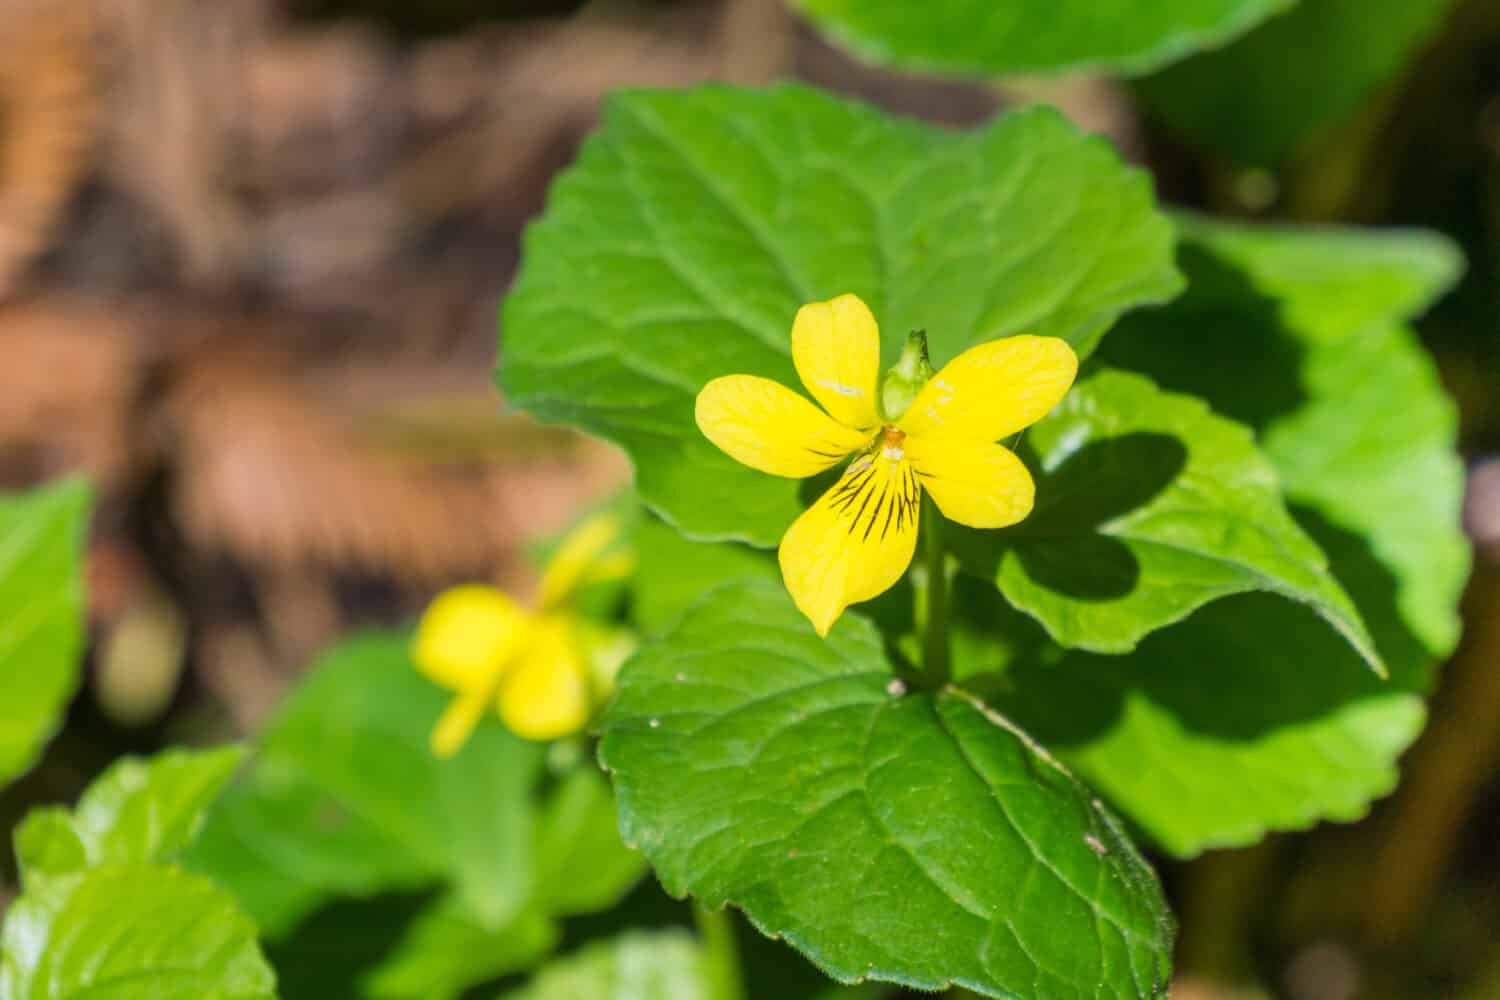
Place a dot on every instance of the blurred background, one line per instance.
(251, 254)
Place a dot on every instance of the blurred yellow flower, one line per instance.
(539, 667)
(936, 433)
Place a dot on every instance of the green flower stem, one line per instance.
(726, 981)
(932, 597)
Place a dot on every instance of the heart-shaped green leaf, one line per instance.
(130, 932)
(1148, 507)
(1260, 97)
(102, 916)
(41, 599)
(695, 224)
(976, 38)
(638, 965)
(908, 837)
(1345, 453)
(1248, 717)
(1308, 351)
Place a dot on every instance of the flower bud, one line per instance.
(906, 378)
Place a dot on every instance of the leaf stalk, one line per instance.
(932, 598)
(716, 927)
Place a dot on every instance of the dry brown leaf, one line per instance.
(47, 120)
(272, 475)
(177, 72)
(71, 375)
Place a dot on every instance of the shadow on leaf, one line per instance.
(1060, 546)
(1238, 670)
(333, 949)
(1222, 340)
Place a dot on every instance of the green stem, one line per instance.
(932, 610)
(726, 981)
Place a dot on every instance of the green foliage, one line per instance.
(443, 951)
(976, 38)
(1293, 333)
(680, 245)
(1259, 98)
(104, 912)
(664, 965)
(1234, 524)
(46, 843)
(346, 802)
(1249, 717)
(1309, 350)
(672, 572)
(131, 932)
(142, 810)
(916, 838)
(1148, 507)
(41, 599)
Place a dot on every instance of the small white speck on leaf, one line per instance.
(654, 723)
(1095, 844)
(680, 676)
(896, 688)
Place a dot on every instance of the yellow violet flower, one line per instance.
(534, 665)
(857, 540)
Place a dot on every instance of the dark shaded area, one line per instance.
(1438, 166)
(334, 948)
(1210, 671)
(1221, 340)
(647, 905)
(1376, 593)
(1060, 544)
(429, 18)
(1105, 479)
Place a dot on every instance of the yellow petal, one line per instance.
(769, 427)
(466, 635)
(836, 348)
(615, 566)
(545, 693)
(458, 721)
(993, 390)
(978, 483)
(575, 558)
(855, 542)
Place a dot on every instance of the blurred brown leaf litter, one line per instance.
(250, 267)
(48, 106)
(249, 271)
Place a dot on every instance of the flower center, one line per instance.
(891, 441)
